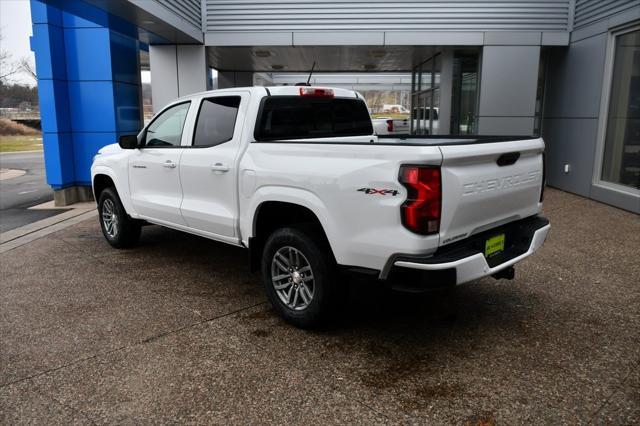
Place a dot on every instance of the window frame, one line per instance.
(197, 117)
(601, 135)
(143, 134)
(263, 101)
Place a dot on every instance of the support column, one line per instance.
(89, 89)
(446, 92)
(229, 79)
(176, 70)
(508, 83)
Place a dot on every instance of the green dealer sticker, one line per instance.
(494, 245)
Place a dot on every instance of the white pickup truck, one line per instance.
(391, 126)
(297, 176)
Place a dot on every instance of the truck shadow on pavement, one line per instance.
(198, 272)
(364, 301)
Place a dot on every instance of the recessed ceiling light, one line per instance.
(277, 67)
(148, 22)
(262, 53)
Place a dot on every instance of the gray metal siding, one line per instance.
(590, 11)
(189, 10)
(383, 15)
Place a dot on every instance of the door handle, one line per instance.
(219, 167)
(169, 164)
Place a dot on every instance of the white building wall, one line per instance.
(176, 70)
(508, 82)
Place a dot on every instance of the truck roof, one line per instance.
(277, 91)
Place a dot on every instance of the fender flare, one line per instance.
(121, 188)
(292, 195)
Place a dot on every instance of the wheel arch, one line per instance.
(104, 177)
(270, 215)
(101, 182)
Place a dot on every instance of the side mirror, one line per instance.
(128, 142)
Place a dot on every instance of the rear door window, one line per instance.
(216, 120)
(298, 117)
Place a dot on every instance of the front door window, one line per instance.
(166, 129)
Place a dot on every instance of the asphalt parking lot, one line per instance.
(20, 193)
(177, 330)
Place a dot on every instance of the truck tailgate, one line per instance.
(485, 185)
(401, 126)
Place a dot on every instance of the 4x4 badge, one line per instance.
(373, 191)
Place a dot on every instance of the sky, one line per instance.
(15, 25)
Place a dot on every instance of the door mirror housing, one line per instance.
(128, 142)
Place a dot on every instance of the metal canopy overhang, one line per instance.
(156, 25)
(327, 58)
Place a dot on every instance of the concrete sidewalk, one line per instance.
(177, 330)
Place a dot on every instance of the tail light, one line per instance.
(544, 177)
(421, 211)
(389, 126)
(317, 92)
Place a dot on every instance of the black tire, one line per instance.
(322, 276)
(127, 230)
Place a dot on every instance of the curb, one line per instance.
(21, 152)
(20, 236)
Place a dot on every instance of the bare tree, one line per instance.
(27, 67)
(10, 68)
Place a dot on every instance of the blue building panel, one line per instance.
(89, 84)
(90, 48)
(54, 106)
(47, 43)
(58, 157)
(42, 13)
(78, 14)
(92, 106)
(124, 48)
(127, 108)
(85, 146)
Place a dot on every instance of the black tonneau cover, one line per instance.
(449, 139)
(407, 140)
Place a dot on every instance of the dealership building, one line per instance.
(568, 70)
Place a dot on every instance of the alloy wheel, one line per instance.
(292, 278)
(109, 218)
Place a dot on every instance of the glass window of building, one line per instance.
(464, 102)
(426, 93)
(425, 97)
(540, 88)
(621, 162)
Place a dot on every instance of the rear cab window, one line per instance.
(300, 117)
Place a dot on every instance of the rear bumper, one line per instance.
(464, 261)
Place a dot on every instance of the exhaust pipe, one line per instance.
(507, 274)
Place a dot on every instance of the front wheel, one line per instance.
(117, 227)
(299, 276)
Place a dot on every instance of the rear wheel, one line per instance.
(299, 276)
(117, 227)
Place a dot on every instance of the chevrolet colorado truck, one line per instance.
(297, 176)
